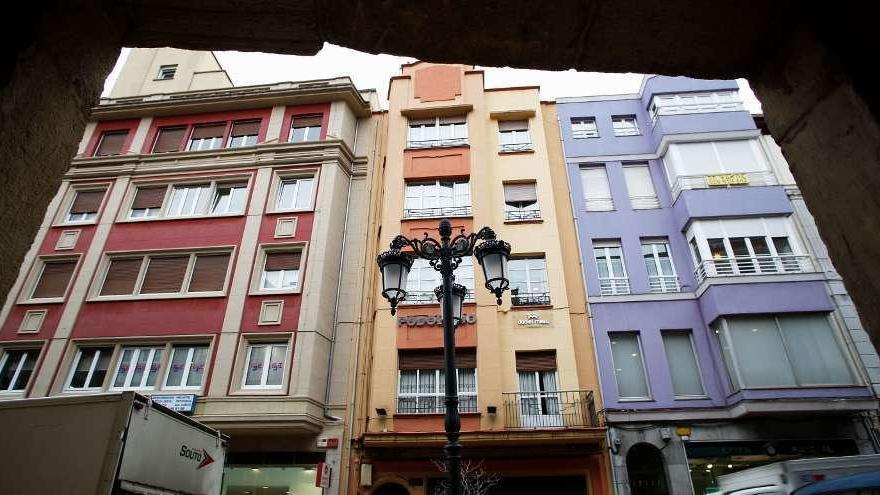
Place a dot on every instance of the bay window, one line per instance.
(437, 199)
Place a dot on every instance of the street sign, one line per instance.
(182, 403)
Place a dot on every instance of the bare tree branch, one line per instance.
(475, 480)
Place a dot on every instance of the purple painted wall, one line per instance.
(763, 298)
(731, 202)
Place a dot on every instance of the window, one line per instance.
(640, 187)
(207, 137)
(281, 271)
(54, 278)
(295, 194)
(753, 255)
(111, 143)
(539, 398)
(187, 367)
(597, 191)
(612, 271)
(683, 367)
(188, 200)
(137, 368)
(244, 133)
(521, 202)
(179, 273)
(437, 198)
(422, 381)
(689, 164)
(584, 127)
(85, 206)
(513, 136)
(16, 367)
(658, 262)
(438, 131)
(423, 278)
(89, 368)
(305, 128)
(169, 139)
(783, 351)
(528, 282)
(625, 125)
(629, 369)
(167, 71)
(264, 367)
(684, 103)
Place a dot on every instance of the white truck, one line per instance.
(786, 477)
(121, 443)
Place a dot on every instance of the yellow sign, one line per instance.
(727, 180)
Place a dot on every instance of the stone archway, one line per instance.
(646, 470)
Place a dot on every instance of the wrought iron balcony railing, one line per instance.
(437, 143)
(522, 215)
(530, 299)
(614, 286)
(757, 265)
(664, 283)
(434, 404)
(514, 147)
(443, 211)
(562, 409)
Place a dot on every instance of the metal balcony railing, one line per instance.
(664, 283)
(530, 299)
(682, 182)
(562, 409)
(434, 404)
(614, 286)
(757, 265)
(428, 297)
(599, 204)
(443, 211)
(522, 215)
(514, 147)
(437, 143)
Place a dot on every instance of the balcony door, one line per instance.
(539, 399)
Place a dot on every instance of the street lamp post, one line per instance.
(445, 256)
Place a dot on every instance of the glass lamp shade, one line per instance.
(493, 255)
(395, 266)
(459, 292)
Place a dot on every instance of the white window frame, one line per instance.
(597, 203)
(4, 358)
(438, 141)
(307, 137)
(511, 141)
(95, 359)
(614, 278)
(154, 353)
(625, 125)
(264, 374)
(92, 217)
(584, 128)
(641, 202)
(246, 140)
(233, 192)
(668, 282)
(204, 144)
(191, 350)
(436, 394)
(280, 189)
(528, 282)
(690, 335)
(464, 275)
(142, 272)
(675, 104)
(638, 337)
(201, 207)
(166, 72)
(422, 190)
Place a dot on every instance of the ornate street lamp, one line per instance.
(445, 256)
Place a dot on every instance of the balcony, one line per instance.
(722, 180)
(515, 147)
(662, 283)
(756, 265)
(437, 143)
(530, 299)
(522, 215)
(434, 404)
(539, 410)
(614, 286)
(428, 297)
(443, 211)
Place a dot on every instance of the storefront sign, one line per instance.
(432, 321)
(727, 180)
(533, 320)
(182, 403)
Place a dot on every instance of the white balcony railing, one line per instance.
(443, 211)
(614, 286)
(515, 147)
(757, 265)
(664, 283)
(599, 204)
(682, 182)
(644, 202)
(428, 297)
(437, 143)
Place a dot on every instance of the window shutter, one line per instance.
(417, 122)
(209, 272)
(306, 121)
(169, 139)
(208, 131)
(455, 119)
(432, 359)
(520, 194)
(121, 276)
(536, 361)
(595, 181)
(251, 128)
(638, 180)
(54, 279)
(513, 125)
(283, 261)
(149, 197)
(87, 201)
(111, 143)
(165, 275)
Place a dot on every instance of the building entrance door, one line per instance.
(645, 470)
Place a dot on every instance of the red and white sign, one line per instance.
(322, 477)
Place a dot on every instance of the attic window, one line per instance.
(167, 71)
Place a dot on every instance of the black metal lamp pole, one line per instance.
(445, 256)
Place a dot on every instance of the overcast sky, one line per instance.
(373, 71)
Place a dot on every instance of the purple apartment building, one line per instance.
(724, 336)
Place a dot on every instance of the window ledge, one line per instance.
(74, 224)
(534, 220)
(530, 307)
(36, 302)
(284, 292)
(635, 400)
(303, 210)
(258, 391)
(692, 397)
(438, 217)
(149, 297)
(440, 147)
(520, 152)
(169, 219)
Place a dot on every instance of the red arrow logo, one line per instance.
(207, 460)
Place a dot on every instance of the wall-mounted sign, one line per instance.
(727, 180)
(182, 403)
(322, 477)
(432, 321)
(532, 320)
